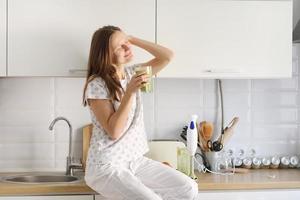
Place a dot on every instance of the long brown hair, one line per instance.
(100, 63)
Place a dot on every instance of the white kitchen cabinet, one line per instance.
(2, 37)
(52, 37)
(275, 194)
(226, 38)
(63, 197)
(243, 195)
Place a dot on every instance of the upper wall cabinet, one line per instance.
(226, 38)
(52, 37)
(2, 37)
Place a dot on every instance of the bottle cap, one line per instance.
(194, 117)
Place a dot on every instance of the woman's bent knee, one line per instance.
(192, 191)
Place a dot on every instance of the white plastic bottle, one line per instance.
(192, 136)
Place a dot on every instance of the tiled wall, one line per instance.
(269, 113)
(27, 106)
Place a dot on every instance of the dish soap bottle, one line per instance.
(192, 141)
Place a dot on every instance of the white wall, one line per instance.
(269, 111)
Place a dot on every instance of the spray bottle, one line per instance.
(192, 141)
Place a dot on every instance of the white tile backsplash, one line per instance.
(28, 165)
(25, 117)
(276, 132)
(173, 100)
(242, 134)
(269, 113)
(243, 113)
(275, 99)
(170, 121)
(275, 116)
(210, 100)
(236, 99)
(68, 93)
(25, 134)
(236, 85)
(280, 148)
(175, 86)
(275, 84)
(27, 151)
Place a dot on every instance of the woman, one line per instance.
(116, 167)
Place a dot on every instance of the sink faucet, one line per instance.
(70, 165)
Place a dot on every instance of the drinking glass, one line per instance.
(146, 86)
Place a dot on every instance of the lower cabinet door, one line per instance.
(251, 195)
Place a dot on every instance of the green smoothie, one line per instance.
(146, 86)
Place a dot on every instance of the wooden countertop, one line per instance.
(254, 179)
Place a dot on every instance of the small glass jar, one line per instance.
(256, 163)
(265, 162)
(284, 162)
(224, 162)
(294, 162)
(238, 159)
(237, 162)
(183, 161)
(275, 161)
(247, 162)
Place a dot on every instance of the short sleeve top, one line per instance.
(133, 142)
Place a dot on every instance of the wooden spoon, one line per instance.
(205, 134)
(228, 131)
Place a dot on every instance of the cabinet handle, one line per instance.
(77, 70)
(222, 71)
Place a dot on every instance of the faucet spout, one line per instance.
(70, 131)
(70, 154)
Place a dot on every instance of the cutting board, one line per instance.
(86, 137)
(159, 150)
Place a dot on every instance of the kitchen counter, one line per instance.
(254, 179)
(18, 189)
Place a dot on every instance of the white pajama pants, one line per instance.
(142, 179)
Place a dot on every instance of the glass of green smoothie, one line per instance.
(140, 70)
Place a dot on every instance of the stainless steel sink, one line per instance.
(41, 179)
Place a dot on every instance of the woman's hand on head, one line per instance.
(136, 82)
(129, 38)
